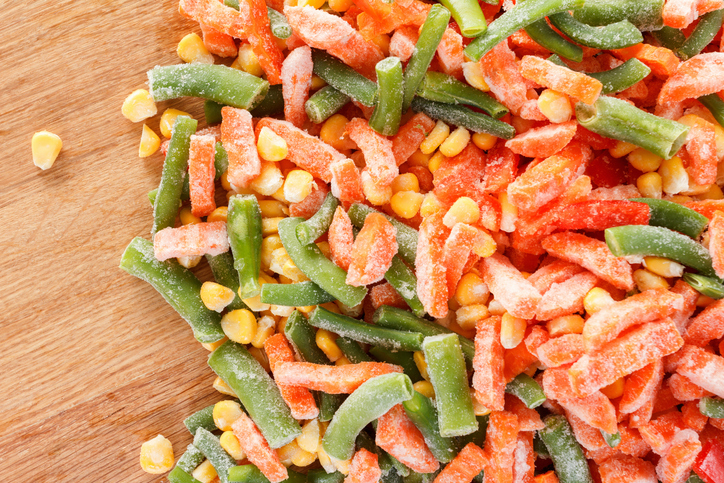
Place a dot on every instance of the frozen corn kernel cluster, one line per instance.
(449, 242)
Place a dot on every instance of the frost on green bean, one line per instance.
(644, 14)
(191, 458)
(209, 444)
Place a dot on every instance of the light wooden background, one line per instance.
(92, 361)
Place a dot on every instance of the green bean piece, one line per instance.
(708, 286)
(368, 402)
(298, 294)
(309, 230)
(257, 392)
(400, 468)
(388, 111)
(302, 337)
(432, 30)
(462, 116)
(252, 474)
(715, 105)
(612, 36)
(712, 407)
(617, 119)
(403, 280)
(518, 17)
(191, 458)
(558, 61)
(212, 112)
(209, 444)
(222, 266)
(177, 285)
(152, 196)
(271, 105)
(406, 236)
(420, 477)
(321, 476)
(669, 37)
(324, 103)
(280, 28)
(215, 82)
(168, 195)
(398, 319)
(320, 270)
(612, 440)
(566, 453)
(221, 160)
(422, 412)
(440, 87)
(448, 375)
(360, 331)
(674, 216)
(352, 350)
(644, 14)
(545, 36)
(203, 418)
(527, 390)
(694, 478)
(643, 240)
(468, 15)
(344, 78)
(243, 224)
(621, 77)
(705, 31)
(540, 448)
(185, 190)
(178, 475)
(402, 359)
(232, 3)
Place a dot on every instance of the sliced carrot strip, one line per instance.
(544, 72)
(403, 13)
(385, 294)
(263, 43)
(299, 399)
(589, 437)
(701, 147)
(703, 369)
(682, 316)
(502, 74)
(566, 298)
(372, 251)
(555, 272)
(706, 6)
(346, 182)
(685, 390)
(548, 477)
(201, 175)
(662, 61)
(364, 468)
(377, 9)
(237, 136)
(524, 458)
(398, 435)
(627, 469)
(402, 43)
(692, 416)
(331, 379)
(642, 415)
(458, 247)
(675, 466)
(296, 78)
(311, 204)
(542, 142)
(377, 150)
(599, 215)
(701, 75)
(706, 207)
(500, 443)
(708, 325)
(460, 175)
(191, 240)
(500, 169)
(528, 419)
(341, 238)
(716, 242)
(430, 270)
(450, 53)
(519, 297)
(468, 463)
(679, 14)
(565, 349)
(519, 358)
(257, 449)
(410, 136)
(641, 386)
(218, 43)
(218, 16)
(488, 378)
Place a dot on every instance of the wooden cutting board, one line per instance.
(93, 361)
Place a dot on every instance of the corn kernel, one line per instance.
(190, 261)
(425, 388)
(139, 105)
(191, 49)
(239, 325)
(406, 204)
(695, 189)
(663, 267)
(405, 182)
(334, 133)
(645, 161)
(375, 194)
(474, 76)
(268, 245)
(485, 245)
(225, 413)
(464, 210)
(713, 193)
(212, 346)
(298, 185)
(219, 214)
(215, 296)
(455, 142)
(248, 61)
(225, 181)
(271, 146)
(331, 306)
(614, 390)
(317, 82)
(306, 309)
(484, 141)
(269, 180)
(223, 387)
(468, 316)
(566, 324)
(168, 118)
(555, 106)
(325, 460)
(621, 149)
(421, 363)
(343, 466)
(674, 178)
(650, 185)
(471, 290)
(311, 437)
(418, 158)
(430, 205)
(512, 331)
(205, 472)
(270, 226)
(596, 299)
(340, 5)
(265, 329)
(231, 445)
(254, 303)
(680, 199)
(327, 344)
(704, 301)
(436, 137)
(157, 455)
(435, 161)
(478, 408)
(273, 209)
(496, 308)
(287, 452)
(310, 3)
(646, 280)
(304, 458)
(187, 218)
(45, 147)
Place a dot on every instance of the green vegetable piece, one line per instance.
(420, 477)
(402, 359)
(152, 196)
(715, 105)
(370, 401)
(669, 37)
(694, 478)
(257, 392)
(178, 475)
(271, 105)
(324, 103)
(406, 236)
(320, 270)
(217, 83)
(617, 119)
(422, 412)
(222, 266)
(612, 36)
(212, 112)
(344, 78)
(440, 87)
(674, 216)
(621, 77)
(252, 474)
(191, 458)
(321, 476)
(388, 111)
(280, 27)
(705, 31)
(545, 36)
(221, 160)
(468, 15)
(403, 280)
(612, 440)
(203, 418)
(209, 444)
(177, 285)
(448, 375)
(243, 224)
(527, 390)
(708, 286)
(309, 230)
(712, 407)
(294, 294)
(540, 448)
(644, 14)
(352, 350)
(462, 116)
(564, 450)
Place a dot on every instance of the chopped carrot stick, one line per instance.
(685, 390)
(411, 13)
(331, 379)
(701, 147)
(517, 360)
(257, 449)
(682, 316)
(218, 43)
(665, 400)
(458, 247)
(377, 9)
(528, 419)
(591, 254)
(311, 204)
(458, 176)
(706, 6)
(385, 294)
(450, 53)
(599, 215)
(704, 369)
(708, 325)
(544, 72)
(218, 16)
(377, 151)
(557, 271)
(364, 468)
(410, 136)
(398, 435)
(566, 298)
(372, 251)
(706, 207)
(716, 242)
(237, 136)
(488, 378)
(627, 469)
(430, 270)
(402, 43)
(565, 349)
(641, 386)
(468, 463)
(341, 239)
(191, 240)
(588, 436)
(548, 477)
(542, 142)
(201, 175)
(519, 297)
(702, 74)
(346, 181)
(692, 416)
(524, 458)
(263, 42)
(296, 77)
(500, 443)
(662, 61)
(535, 337)
(500, 169)
(299, 399)
(675, 466)
(679, 14)
(642, 415)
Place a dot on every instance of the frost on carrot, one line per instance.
(257, 449)
(385, 294)
(679, 14)
(500, 443)
(597, 215)
(662, 61)
(377, 149)
(704, 369)
(518, 296)
(346, 182)
(398, 435)
(558, 351)
(707, 326)
(296, 78)
(450, 53)
(488, 378)
(330, 379)
(191, 240)
(218, 43)
(716, 242)
(430, 270)
(237, 136)
(410, 136)
(641, 387)
(201, 175)
(566, 297)
(364, 468)
(459, 246)
(626, 469)
(372, 251)
(562, 79)
(542, 142)
(311, 204)
(701, 75)
(676, 464)
(299, 399)
(468, 463)
(412, 12)
(501, 167)
(218, 16)
(341, 239)
(402, 43)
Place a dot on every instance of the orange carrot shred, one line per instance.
(191, 240)
(430, 270)
(299, 399)
(377, 150)
(662, 61)
(468, 463)
(517, 295)
(296, 78)
(544, 72)
(488, 378)
(372, 251)
(542, 142)
(257, 449)
(237, 136)
(201, 175)
(331, 379)
(398, 435)
(218, 43)
(364, 468)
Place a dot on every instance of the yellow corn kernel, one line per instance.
(306, 309)
(325, 460)
(298, 185)
(269, 226)
(663, 267)
(566, 324)
(150, 142)
(695, 189)
(139, 105)
(157, 455)
(674, 178)
(646, 280)
(188, 218)
(325, 341)
(205, 472)
(340, 5)
(291, 271)
(596, 299)
(468, 316)
(430, 205)
(436, 137)
(650, 185)
(484, 141)
(324, 248)
(478, 408)
(680, 199)
(45, 147)
(614, 390)
(375, 194)
(225, 413)
(254, 303)
(435, 161)
(223, 387)
(425, 388)
(342, 465)
(304, 458)
(471, 290)
(287, 452)
(334, 133)
(273, 209)
(271, 146)
(265, 329)
(191, 49)
(621, 149)
(269, 180)
(219, 214)
(212, 346)
(704, 301)
(239, 325)
(421, 363)
(225, 181)
(643, 160)
(455, 142)
(168, 118)
(714, 192)
(464, 210)
(512, 331)
(473, 73)
(555, 106)
(418, 158)
(190, 261)
(310, 3)
(311, 436)
(248, 61)
(485, 245)
(268, 246)
(231, 445)
(317, 82)
(405, 182)
(496, 308)
(215, 296)
(406, 204)
(331, 306)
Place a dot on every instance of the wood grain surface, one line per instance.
(93, 361)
